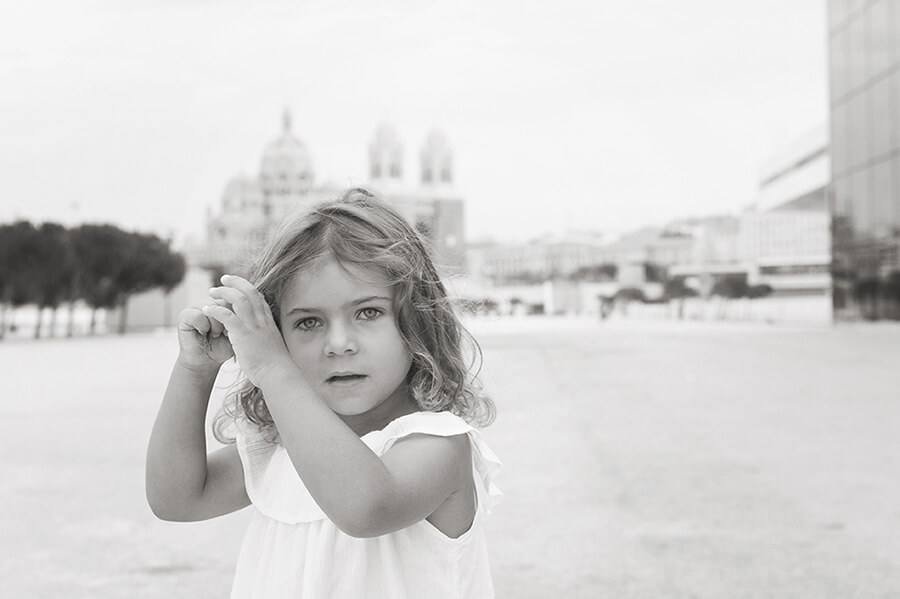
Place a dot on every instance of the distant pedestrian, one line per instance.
(352, 435)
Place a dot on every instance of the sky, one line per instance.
(565, 115)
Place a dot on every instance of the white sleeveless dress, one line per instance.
(292, 550)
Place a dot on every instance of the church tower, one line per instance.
(386, 158)
(436, 159)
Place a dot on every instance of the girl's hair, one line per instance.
(361, 230)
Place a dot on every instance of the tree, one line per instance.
(149, 263)
(100, 264)
(654, 273)
(730, 287)
(115, 265)
(53, 272)
(626, 295)
(676, 289)
(100, 253)
(630, 294)
(17, 244)
(757, 291)
(890, 290)
(595, 272)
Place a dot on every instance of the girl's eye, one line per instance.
(307, 324)
(369, 313)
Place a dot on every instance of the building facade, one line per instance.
(560, 256)
(785, 238)
(251, 207)
(864, 194)
(550, 257)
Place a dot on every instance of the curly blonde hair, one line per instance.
(360, 229)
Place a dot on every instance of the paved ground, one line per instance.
(661, 460)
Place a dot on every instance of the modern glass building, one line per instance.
(864, 194)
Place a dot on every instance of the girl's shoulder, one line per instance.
(485, 462)
(441, 424)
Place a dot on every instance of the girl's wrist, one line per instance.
(279, 375)
(199, 369)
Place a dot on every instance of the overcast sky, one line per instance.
(596, 114)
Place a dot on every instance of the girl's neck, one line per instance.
(376, 419)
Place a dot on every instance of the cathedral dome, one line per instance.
(286, 163)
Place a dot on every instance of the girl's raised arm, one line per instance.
(182, 482)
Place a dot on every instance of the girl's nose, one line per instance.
(340, 340)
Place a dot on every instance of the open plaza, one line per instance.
(643, 459)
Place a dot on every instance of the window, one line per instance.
(856, 55)
(881, 195)
(839, 50)
(879, 124)
(895, 193)
(837, 12)
(840, 139)
(858, 147)
(894, 102)
(861, 212)
(878, 38)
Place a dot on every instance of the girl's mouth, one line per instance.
(345, 378)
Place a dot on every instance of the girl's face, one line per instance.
(339, 327)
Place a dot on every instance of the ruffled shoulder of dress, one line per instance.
(272, 482)
(445, 424)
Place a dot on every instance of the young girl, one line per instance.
(353, 435)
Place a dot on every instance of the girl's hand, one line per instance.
(202, 340)
(251, 329)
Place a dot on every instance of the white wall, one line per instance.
(153, 308)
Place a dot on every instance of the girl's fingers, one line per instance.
(216, 328)
(192, 318)
(239, 303)
(246, 288)
(223, 315)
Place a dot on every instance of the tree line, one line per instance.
(51, 266)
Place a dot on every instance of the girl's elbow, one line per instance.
(163, 511)
(169, 515)
(357, 531)
(356, 526)
(367, 523)
(160, 511)
(167, 511)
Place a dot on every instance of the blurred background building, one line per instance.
(864, 195)
(784, 236)
(251, 207)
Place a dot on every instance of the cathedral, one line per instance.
(251, 207)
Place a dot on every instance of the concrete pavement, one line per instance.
(656, 460)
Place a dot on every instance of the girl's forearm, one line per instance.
(344, 476)
(176, 456)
